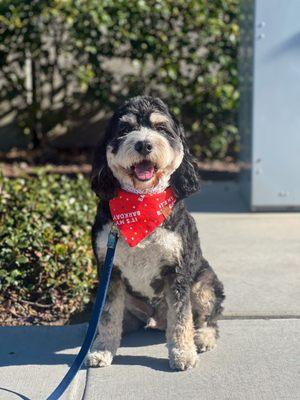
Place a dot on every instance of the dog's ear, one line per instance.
(103, 183)
(186, 179)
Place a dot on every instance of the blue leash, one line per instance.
(97, 311)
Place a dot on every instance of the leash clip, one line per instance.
(112, 237)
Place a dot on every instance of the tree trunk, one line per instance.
(35, 129)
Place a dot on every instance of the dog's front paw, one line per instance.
(101, 358)
(205, 339)
(182, 359)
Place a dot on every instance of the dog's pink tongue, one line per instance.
(144, 170)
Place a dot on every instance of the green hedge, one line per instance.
(45, 252)
(182, 50)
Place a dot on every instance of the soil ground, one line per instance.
(18, 162)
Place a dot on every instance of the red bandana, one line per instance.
(137, 215)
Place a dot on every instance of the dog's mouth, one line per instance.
(144, 171)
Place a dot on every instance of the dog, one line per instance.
(163, 282)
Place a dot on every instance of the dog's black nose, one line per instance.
(143, 147)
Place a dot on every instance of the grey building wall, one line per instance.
(270, 100)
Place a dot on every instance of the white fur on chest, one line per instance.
(142, 263)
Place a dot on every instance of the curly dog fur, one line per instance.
(164, 282)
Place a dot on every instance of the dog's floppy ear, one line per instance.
(186, 179)
(103, 183)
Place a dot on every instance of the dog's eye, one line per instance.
(122, 131)
(161, 128)
(125, 128)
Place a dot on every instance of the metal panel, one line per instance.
(275, 147)
(246, 52)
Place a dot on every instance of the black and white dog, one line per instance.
(164, 282)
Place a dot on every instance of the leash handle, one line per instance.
(105, 274)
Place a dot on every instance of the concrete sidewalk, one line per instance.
(33, 360)
(257, 256)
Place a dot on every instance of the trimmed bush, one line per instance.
(46, 261)
(82, 56)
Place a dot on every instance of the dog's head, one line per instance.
(144, 148)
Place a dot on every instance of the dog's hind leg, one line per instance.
(110, 327)
(206, 297)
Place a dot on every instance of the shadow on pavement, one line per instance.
(40, 345)
(159, 364)
(54, 345)
(143, 337)
(21, 396)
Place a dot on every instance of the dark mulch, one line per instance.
(18, 162)
(18, 312)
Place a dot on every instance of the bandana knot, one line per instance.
(138, 215)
